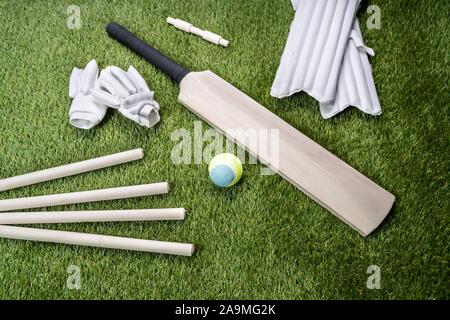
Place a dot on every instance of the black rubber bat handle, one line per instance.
(128, 39)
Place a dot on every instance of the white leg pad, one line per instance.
(356, 86)
(315, 48)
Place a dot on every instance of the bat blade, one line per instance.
(331, 182)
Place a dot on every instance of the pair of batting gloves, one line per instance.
(125, 91)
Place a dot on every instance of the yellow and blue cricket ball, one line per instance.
(225, 170)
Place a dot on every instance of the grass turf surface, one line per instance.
(262, 238)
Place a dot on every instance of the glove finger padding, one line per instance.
(85, 112)
(105, 98)
(128, 92)
(88, 77)
(147, 116)
(114, 83)
(137, 79)
(141, 108)
(125, 81)
(74, 82)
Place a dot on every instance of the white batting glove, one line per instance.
(85, 112)
(128, 92)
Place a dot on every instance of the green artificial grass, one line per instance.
(262, 239)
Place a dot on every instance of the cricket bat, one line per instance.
(331, 182)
